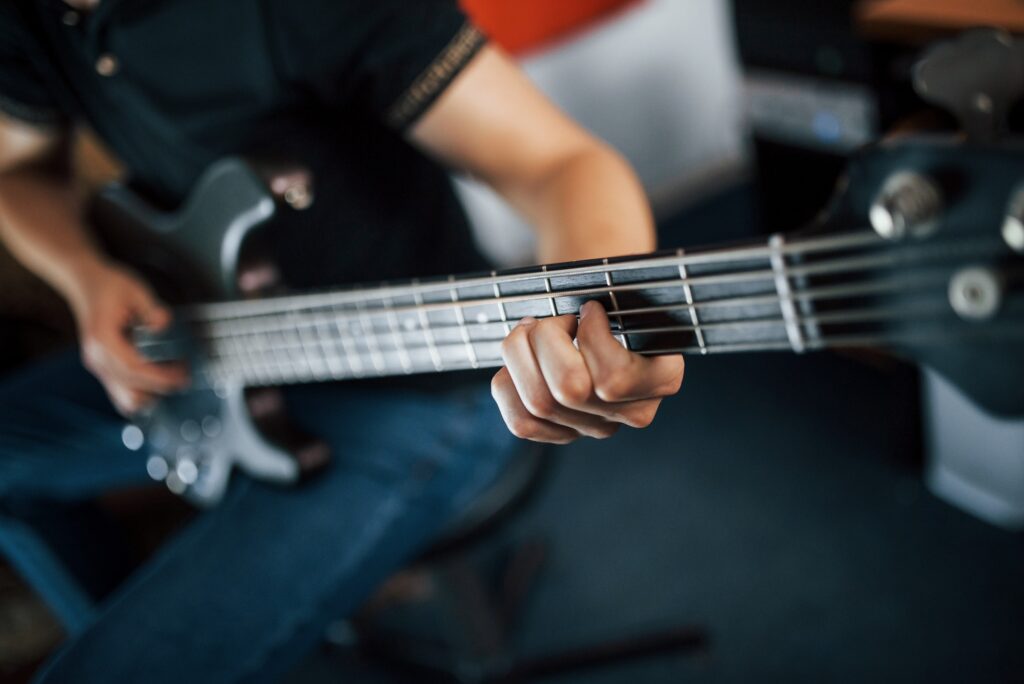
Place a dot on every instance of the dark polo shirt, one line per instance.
(173, 85)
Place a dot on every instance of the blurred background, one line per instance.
(796, 518)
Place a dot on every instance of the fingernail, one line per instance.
(586, 308)
(527, 320)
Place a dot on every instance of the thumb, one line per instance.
(152, 313)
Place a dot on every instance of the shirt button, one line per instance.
(70, 18)
(106, 65)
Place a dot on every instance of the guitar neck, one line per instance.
(771, 295)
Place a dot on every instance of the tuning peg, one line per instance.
(978, 77)
(909, 203)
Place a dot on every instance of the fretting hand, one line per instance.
(552, 391)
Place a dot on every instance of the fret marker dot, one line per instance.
(482, 318)
(409, 324)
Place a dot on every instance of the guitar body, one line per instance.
(200, 253)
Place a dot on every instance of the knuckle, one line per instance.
(612, 387)
(509, 343)
(541, 404)
(603, 431)
(91, 353)
(572, 388)
(498, 384)
(522, 427)
(515, 339)
(676, 382)
(640, 417)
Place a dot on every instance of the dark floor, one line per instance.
(778, 501)
(759, 505)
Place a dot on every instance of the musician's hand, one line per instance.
(550, 391)
(109, 303)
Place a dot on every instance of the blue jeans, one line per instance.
(247, 589)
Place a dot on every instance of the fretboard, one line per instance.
(774, 295)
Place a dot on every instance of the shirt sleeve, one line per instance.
(389, 58)
(24, 94)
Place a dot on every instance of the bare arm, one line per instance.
(41, 224)
(580, 196)
(39, 209)
(584, 201)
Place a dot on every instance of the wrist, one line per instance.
(78, 279)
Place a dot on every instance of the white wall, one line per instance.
(660, 82)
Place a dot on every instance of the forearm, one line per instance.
(41, 224)
(590, 205)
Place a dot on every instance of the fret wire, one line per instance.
(428, 334)
(355, 361)
(330, 349)
(320, 370)
(688, 295)
(370, 336)
(248, 363)
(266, 355)
(403, 355)
(461, 320)
(782, 287)
(258, 358)
(623, 338)
(299, 362)
(501, 305)
(246, 308)
(547, 288)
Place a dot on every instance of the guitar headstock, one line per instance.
(946, 266)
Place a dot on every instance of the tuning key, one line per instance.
(909, 203)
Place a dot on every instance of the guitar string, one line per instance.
(838, 318)
(875, 315)
(904, 284)
(271, 353)
(943, 336)
(275, 305)
(272, 323)
(811, 294)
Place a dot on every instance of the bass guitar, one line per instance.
(921, 253)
